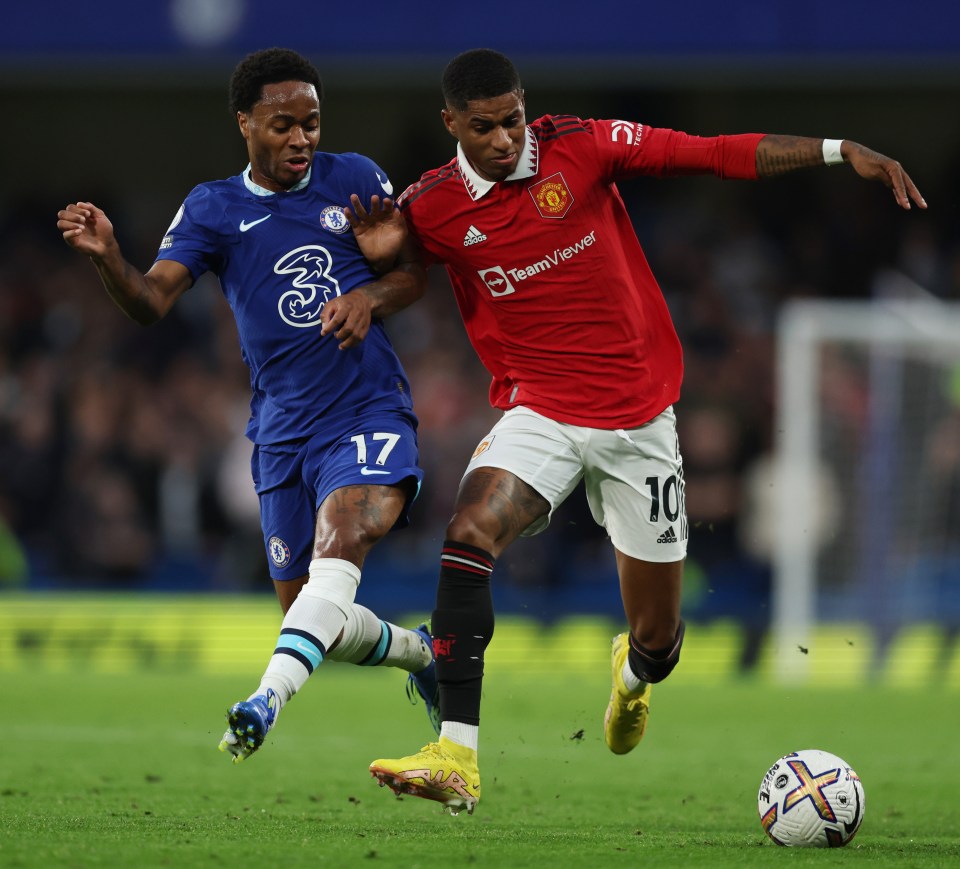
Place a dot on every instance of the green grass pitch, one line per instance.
(108, 769)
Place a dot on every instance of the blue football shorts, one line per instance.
(292, 480)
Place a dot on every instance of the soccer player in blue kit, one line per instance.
(332, 420)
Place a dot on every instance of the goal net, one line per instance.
(867, 479)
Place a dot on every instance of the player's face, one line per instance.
(491, 132)
(282, 132)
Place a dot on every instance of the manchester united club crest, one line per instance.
(552, 196)
(483, 446)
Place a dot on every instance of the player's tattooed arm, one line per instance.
(777, 155)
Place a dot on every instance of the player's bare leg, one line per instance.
(648, 651)
(287, 591)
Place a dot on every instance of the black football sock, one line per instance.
(654, 665)
(462, 627)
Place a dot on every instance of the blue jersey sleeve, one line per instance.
(367, 179)
(192, 238)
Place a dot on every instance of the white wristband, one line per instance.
(831, 151)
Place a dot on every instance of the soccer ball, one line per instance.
(811, 799)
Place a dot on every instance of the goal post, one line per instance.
(864, 390)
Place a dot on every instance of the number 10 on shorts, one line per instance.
(668, 497)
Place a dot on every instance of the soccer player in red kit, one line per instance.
(561, 307)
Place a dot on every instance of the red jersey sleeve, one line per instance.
(631, 149)
(403, 203)
(428, 181)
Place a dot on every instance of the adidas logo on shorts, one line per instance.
(668, 536)
(473, 236)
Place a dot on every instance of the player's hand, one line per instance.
(876, 167)
(347, 318)
(380, 230)
(86, 228)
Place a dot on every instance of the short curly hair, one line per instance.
(269, 66)
(478, 74)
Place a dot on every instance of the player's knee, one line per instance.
(333, 580)
(475, 526)
(352, 542)
(654, 665)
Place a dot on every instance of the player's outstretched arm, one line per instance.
(380, 230)
(144, 298)
(873, 166)
(348, 317)
(777, 155)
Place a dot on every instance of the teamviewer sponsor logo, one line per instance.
(497, 281)
(557, 257)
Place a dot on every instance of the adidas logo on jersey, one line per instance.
(473, 236)
(668, 536)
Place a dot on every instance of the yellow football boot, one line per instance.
(443, 771)
(626, 717)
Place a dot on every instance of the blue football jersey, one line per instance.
(279, 258)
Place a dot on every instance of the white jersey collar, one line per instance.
(257, 190)
(526, 168)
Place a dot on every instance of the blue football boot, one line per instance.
(424, 682)
(250, 722)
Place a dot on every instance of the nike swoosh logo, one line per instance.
(368, 471)
(244, 226)
(310, 652)
(386, 186)
(851, 826)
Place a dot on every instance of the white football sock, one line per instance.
(632, 681)
(370, 642)
(310, 626)
(467, 735)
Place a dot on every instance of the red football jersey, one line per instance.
(554, 289)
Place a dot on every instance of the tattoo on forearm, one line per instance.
(777, 155)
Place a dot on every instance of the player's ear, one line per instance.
(243, 121)
(449, 122)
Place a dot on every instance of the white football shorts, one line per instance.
(633, 478)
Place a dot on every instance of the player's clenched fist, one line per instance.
(85, 228)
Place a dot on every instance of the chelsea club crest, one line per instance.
(279, 552)
(333, 219)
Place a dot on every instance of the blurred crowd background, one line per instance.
(122, 460)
